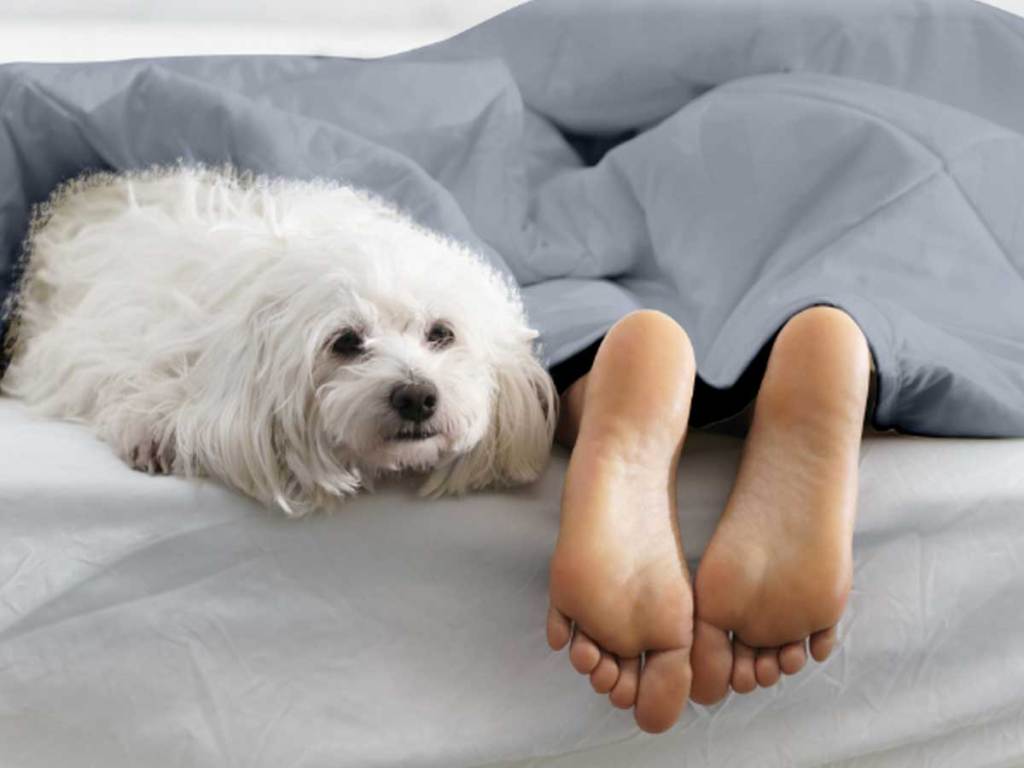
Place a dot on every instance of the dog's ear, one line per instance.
(306, 477)
(253, 423)
(517, 444)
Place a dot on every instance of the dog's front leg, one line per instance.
(152, 455)
(140, 428)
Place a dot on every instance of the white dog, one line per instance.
(293, 339)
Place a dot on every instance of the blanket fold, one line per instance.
(727, 163)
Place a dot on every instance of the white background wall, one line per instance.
(1013, 6)
(429, 12)
(68, 30)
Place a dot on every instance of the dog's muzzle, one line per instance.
(415, 402)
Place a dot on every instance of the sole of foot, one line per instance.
(776, 574)
(619, 589)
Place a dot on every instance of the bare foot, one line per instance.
(778, 569)
(618, 570)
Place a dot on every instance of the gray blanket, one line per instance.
(729, 163)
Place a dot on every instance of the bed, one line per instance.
(158, 622)
(161, 622)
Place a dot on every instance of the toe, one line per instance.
(744, 679)
(822, 643)
(583, 653)
(559, 629)
(605, 674)
(712, 663)
(766, 667)
(663, 689)
(792, 658)
(623, 695)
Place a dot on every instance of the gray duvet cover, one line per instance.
(729, 163)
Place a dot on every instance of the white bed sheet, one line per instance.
(161, 622)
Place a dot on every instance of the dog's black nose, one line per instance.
(415, 402)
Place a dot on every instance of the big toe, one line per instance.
(712, 663)
(664, 688)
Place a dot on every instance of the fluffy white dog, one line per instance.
(293, 339)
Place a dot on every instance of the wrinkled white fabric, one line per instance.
(158, 622)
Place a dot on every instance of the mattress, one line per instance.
(163, 622)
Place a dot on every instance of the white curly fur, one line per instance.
(187, 314)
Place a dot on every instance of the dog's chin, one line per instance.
(411, 450)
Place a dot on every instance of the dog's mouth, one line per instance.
(409, 434)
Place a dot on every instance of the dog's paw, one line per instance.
(149, 456)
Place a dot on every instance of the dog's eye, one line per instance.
(440, 335)
(348, 343)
